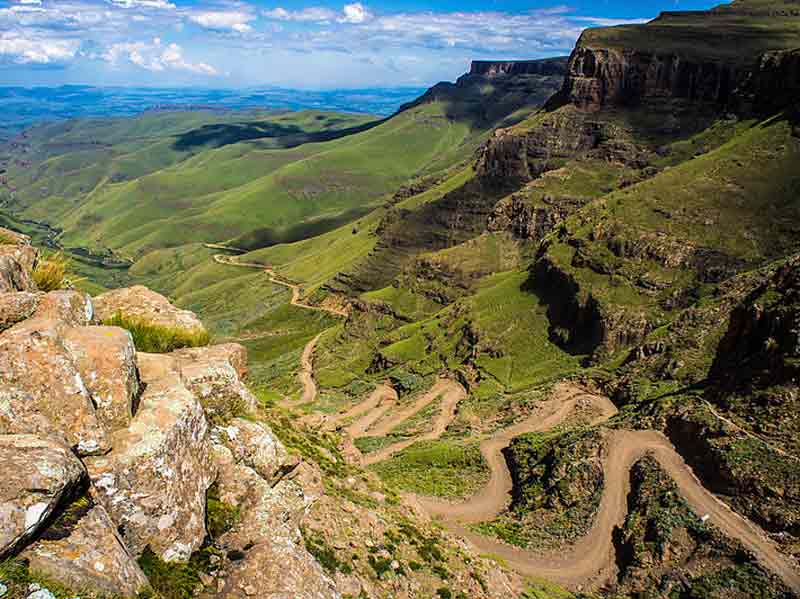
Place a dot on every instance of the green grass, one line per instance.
(158, 339)
(437, 468)
(50, 273)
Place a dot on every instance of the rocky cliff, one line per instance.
(512, 68)
(119, 464)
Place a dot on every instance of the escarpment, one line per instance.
(113, 458)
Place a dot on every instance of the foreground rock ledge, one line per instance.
(37, 475)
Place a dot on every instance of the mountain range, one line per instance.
(532, 336)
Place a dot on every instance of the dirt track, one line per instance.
(590, 561)
(452, 393)
(496, 495)
(306, 361)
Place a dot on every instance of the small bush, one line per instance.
(220, 516)
(154, 338)
(51, 273)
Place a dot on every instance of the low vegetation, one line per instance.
(157, 339)
(438, 468)
(50, 273)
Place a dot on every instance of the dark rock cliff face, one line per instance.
(531, 223)
(598, 78)
(601, 77)
(547, 66)
(773, 85)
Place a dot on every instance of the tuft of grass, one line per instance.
(51, 272)
(157, 339)
(324, 553)
(6, 238)
(220, 516)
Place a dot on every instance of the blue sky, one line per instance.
(314, 44)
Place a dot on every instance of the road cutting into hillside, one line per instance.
(306, 360)
(450, 392)
(297, 290)
(589, 562)
(487, 503)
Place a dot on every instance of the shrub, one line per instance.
(51, 273)
(155, 338)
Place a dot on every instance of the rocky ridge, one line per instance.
(109, 455)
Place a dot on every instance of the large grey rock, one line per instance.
(92, 558)
(41, 389)
(254, 445)
(106, 360)
(154, 481)
(276, 564)
(68, 306)
(232, 353)
(36, 474)
(16, 306)
(141, 303)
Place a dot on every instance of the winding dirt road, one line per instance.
(487, 503)
(297, 290)
(451, 393)
(590, 561)
(306, 374)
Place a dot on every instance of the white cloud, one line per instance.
(224, 20)
(314, 14)
(155, 56)
(31, 2)
(354, 13)
(159, 4)
(23, 49)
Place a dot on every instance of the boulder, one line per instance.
(37, 474)
(209, 373)
(14, 238)
(217, 386)
(70, 307)
(41, 389)
(16, 307)
(91, 558)
(22, 251)
(153, 367)
(232, 353)
(106, 360)
(278, 569)
(13, 276)
(139, 302)
(154, 481)
(276, 563)
(254, 445)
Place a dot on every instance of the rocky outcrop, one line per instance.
(16, 307)
(773, 84)
(213, 374)
(153, 483)
(37, 475)
(68, 306)
(41, 389)
(525, 221)
(254, 445)
(106, 361)
(91, 556)
(140, 303)
(274, 563)
(107, 453)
